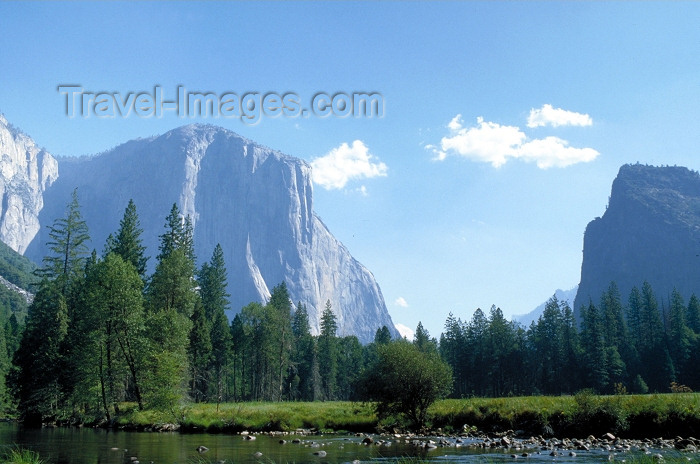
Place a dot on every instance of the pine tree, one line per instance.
(423, 341)
(656, 361)
(452, 349)
(200, 353)
(302, 360)
(281, 326)
(328, 353)
(128, 243)
(382, 336)
(693, 314)
(549, 347)
(68, 247)
(213, 281)
(680, 338)
(170, 299)
(37, 363)
(593, 342)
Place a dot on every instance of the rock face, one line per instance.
(26, 171)
(650, 231)
(256, 202)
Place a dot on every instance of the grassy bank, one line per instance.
(632, 416)
(257, 416)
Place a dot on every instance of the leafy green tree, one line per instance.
(328, 353)
(405, 381)
(170, 300)
(111, 327)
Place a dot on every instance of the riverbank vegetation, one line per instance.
(629, 416)
(104, 342)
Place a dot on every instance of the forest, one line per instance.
(102, 332)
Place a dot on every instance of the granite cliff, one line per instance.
(256, 202)
(26, 171)
(649, 231)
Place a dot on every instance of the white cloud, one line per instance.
(346, 163)
(547, 115)
(490, 142)
(401, 301)
(555, 152)
(487, 142)
(405, 331)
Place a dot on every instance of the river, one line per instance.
(98, 446)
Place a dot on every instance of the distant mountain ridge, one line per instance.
(534, 315)
(256, 202)
(649, 231)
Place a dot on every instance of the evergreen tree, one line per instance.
(34, 379)
(281, 326)
(634, 318)
(68, 247)
(593, 342)
(128, 243)
(423, 341)
(213, 281)
(501, 347)
(170, 302)
(571, 381)
(303, 357)
(382, 336)
(693, 314)
(451, 347)
(350, 365)
(680, 338)
(655, 360)
(200, 353)
(328, 353)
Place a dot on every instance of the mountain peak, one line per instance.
(649, 232)
(257, 203)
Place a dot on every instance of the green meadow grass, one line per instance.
(580, 415)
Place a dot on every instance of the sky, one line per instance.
(502, 124)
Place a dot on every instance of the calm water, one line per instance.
(88, 446)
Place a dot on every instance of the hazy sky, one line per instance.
(503, 125)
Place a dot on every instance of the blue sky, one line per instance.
(504, 122)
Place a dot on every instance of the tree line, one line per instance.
(101, 331)
(634, 345)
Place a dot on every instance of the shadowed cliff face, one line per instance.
(256, 202)
(650, 231)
